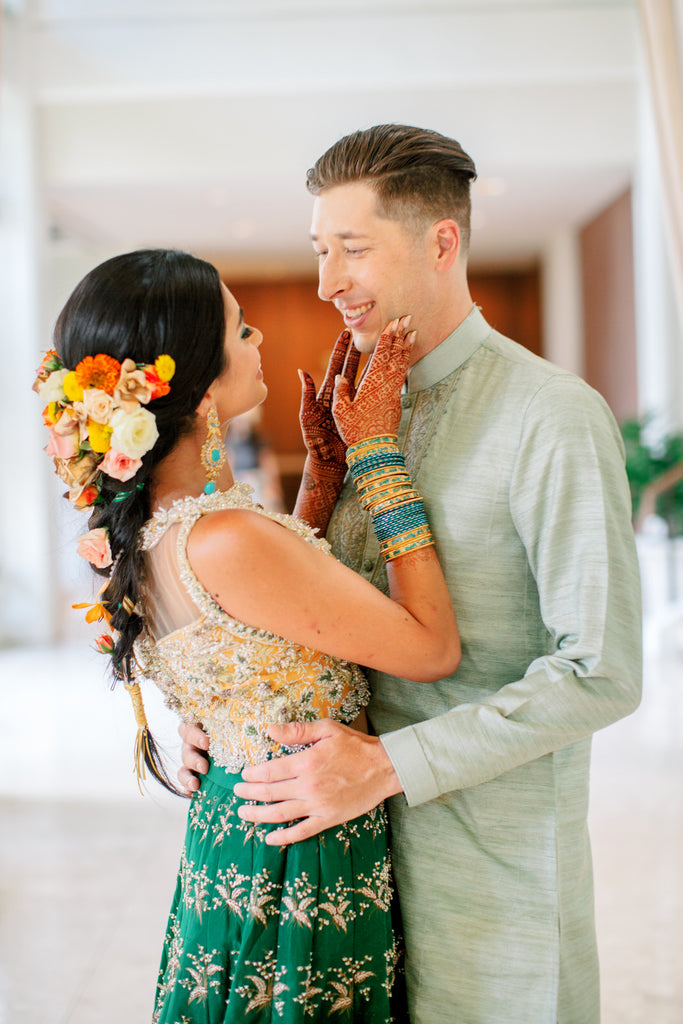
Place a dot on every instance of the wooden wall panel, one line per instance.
(609, 307)
(511, 302)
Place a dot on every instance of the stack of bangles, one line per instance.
(385, 490)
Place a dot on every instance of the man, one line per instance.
(521, 468)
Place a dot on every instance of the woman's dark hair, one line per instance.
(139, 306)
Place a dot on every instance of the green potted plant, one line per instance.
(655, 475)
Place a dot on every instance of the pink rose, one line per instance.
(94, 546)
(63, 446)
(119, 466)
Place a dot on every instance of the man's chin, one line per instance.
(365, 343)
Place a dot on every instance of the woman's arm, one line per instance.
(270, 577)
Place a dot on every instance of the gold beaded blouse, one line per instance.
(233, 678)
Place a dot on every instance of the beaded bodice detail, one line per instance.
(234, 678)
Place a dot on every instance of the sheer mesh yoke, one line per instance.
(168, 606)
(234, 678)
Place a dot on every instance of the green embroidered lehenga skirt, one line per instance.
(293, 934)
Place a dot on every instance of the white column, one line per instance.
(659, 330)
(562, 302)
(26, 609)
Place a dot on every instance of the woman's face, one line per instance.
(241, 386)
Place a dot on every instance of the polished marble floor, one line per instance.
(87, 865)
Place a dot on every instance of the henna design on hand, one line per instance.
(321, 437)
(326, 462)
(374, 407)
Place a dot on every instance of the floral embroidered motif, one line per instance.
(299, 902)
(338, 905)
(202, 975)
(266, 985)
(231, 891)
(377, 888)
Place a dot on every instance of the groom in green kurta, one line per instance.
(521, 468)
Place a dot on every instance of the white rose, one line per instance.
(98, 404)
(133, 433)
(52, 389)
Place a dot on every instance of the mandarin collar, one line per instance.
(450, 354)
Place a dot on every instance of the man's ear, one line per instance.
(446, 235)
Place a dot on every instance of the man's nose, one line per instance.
(331, 278)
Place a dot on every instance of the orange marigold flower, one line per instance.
(100, 371)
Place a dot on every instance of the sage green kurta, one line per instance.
(521, 468)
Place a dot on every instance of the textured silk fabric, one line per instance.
(258, 933)
(520, 465)
(233, 678)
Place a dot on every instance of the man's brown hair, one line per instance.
(418, 175)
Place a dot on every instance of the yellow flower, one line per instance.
(72, 389)
(52, 413)
(99, 435)
(165, 367)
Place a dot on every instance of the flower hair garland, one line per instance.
(96, 418)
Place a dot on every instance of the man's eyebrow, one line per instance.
(342, 234)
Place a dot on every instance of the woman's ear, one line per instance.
(207, 401)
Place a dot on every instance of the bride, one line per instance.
(244, 619)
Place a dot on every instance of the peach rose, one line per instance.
(98, 404)
(94, 547)
(119, 466)
(72, 418)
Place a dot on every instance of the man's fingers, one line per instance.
(275, 814)
(189, 783)
(295, 833)
(193, 736)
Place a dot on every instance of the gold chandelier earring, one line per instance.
(213, 454)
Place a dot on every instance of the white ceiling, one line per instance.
(191, 124)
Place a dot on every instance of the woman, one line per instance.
(244, 619)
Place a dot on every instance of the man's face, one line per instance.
(372, 268)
